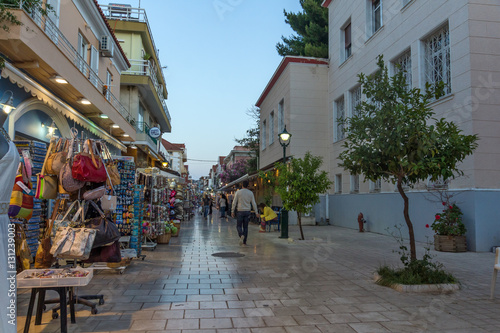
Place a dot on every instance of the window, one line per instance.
(281, 116)
(373, 16)
(376, 186)
(437, 58)
(355, 100)
(109, 80)
(264, 133)
(339, 119)
(140, 118)
(94, 65)
(403, 64)
(82, 54)
(354, 183)
(271, 127)
(346, 40)
(338, 183)
(53, 18)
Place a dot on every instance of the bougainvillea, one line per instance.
(235, 171)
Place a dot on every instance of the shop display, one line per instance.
(125, 196)
(36, 278)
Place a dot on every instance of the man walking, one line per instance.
(244, 201)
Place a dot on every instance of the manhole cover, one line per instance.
(228, 255)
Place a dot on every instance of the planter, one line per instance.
(443, 288)
(450, 243)
(164, 239)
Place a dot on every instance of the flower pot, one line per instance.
(450, 243)
(164, 239)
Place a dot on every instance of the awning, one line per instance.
(237, 181)
(17, 77)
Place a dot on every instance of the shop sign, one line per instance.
(154, 132)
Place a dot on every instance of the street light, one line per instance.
(284, 138)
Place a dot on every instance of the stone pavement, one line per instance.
(323, 284)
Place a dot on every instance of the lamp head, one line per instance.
(284, 136)
(8, 106)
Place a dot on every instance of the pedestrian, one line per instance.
(211, 204)
(243, 201)
(205, 202)
(267, 215)
(222, 205)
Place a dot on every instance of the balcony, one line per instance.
(148, 68)
(42, 50)
(143, 137)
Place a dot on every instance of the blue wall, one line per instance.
(481, 210)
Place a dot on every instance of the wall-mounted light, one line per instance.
(51, 129)
(8, 105)
(84, 101)
(115, 126)
(165, 164)
(126, 135)
(58, 79)
(133, 147)
(103, 116)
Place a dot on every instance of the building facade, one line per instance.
(143, 88)
(454, 41)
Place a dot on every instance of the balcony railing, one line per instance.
(69, 51)
(145, 67)
(143, 127)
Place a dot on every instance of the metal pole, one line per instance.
(284, 212)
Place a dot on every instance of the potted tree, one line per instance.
(450, 230)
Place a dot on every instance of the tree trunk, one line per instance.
(413, 251)
(299, 218)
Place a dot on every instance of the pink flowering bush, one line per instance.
(449, 221)
(236, 170)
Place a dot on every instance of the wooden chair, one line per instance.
(496, 268)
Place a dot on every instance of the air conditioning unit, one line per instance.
(106, 46)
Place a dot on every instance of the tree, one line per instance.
(395, 137)
(234, 172)
(252, 140)
(311, 26)
(269, 181)
(300, 183)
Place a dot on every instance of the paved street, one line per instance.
(323, 284)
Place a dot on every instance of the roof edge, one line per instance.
(326, 3)
(281, 68)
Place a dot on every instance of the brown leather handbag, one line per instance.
(111, 168)
(57, 159)
(68, 183)
(43, 258)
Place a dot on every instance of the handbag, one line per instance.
(46, 186)
(73, 243)
(87, 167)
(111, 168)
(23, 253)
(96, 193)
(57, 159)
(43, 258)
(109, 201)
(107, 231)
(21, 199)
(110, 253)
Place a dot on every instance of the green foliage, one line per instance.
(449, 221)
(269, 181)
(252, 140)
(300, 183)
(311, 26)
(395, 137)
(423, 271)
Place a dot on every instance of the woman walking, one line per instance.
(222, 205)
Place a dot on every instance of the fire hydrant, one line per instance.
(361, 222)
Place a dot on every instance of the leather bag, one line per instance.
(46, 185)
(87, 167)
(23, 253)
(73, 243)
(110, 253)
(107, 231)
(43, 258)
(111, 168)
(109, 201)
(57, 159)
(94, 194)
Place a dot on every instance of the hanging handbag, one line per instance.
(110, 253)
(21, 199)
(23, 253)
(66, 180)
(94, 194)
(73, 243)
(87, 167)
(43, 258)
(109, 201)
(57, 159)
(111, 168)
(107, 231)
(46, 186)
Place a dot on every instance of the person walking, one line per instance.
(205, 201)
(243, 201)
(222, 205)
(267, 215)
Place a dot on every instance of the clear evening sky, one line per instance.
(220, 55)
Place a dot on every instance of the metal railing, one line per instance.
(143, 127)
(145, 67)
(53, 32)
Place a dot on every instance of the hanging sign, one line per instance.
(154, 132)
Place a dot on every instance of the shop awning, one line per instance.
(17, 77)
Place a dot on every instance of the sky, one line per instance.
(220, 55)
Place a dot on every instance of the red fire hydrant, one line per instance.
(361, 222)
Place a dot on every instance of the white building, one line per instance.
(456, 41)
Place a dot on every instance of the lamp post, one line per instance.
(284, 138)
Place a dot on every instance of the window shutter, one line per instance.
(347, 36)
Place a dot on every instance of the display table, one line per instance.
(52, 279)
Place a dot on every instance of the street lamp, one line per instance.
(284, 138)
